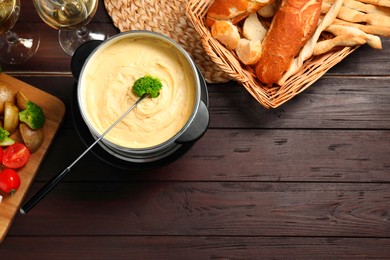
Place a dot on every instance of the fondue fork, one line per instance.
(59, 176)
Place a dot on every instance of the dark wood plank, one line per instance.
(245, 155)
(172, 247)
(210, 208)
(59, 86)
(332, 102)
(365, 61)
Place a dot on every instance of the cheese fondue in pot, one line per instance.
(106, 91)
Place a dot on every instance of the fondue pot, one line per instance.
(148, 157)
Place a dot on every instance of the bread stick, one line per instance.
(340, 30)
(371, 29)
(363, 7)
(324, 46)
(351, 15)
(377, 2)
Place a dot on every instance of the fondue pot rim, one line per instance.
(147, 35)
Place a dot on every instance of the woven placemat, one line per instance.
(168, 18)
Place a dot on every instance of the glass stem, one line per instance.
(12, 38)
(82, 32)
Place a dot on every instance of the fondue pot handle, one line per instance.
(197, 127)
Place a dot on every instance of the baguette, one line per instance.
(292, 26)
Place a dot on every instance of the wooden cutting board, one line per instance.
(54, 110)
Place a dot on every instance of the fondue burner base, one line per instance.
(87, 138)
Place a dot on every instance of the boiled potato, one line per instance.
(33, 139)
(21, 100)
(6, 94)
(11, 117)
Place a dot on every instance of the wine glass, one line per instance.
(18, 42)
(71, 18)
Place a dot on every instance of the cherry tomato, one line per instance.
(1, 154)
(9, 180)
(16, 156)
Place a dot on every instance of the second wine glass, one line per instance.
(71, 18)
(18, 41)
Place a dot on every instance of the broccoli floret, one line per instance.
(33, 115)
(5, 140)
(147, 85)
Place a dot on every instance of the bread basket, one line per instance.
(268, 96)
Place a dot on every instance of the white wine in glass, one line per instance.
(71, 18)
(18, 42)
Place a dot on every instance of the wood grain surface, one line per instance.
(308, 180)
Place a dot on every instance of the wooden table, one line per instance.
(308, 180)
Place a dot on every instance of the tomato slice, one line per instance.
(16, 156)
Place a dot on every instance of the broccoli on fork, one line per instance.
(33, 116)
(147, 85)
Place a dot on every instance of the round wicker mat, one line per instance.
(169, 18)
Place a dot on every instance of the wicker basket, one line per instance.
(268, 96)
